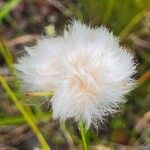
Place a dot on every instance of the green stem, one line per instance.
(27, 117)
(83, 137)
(132, 24)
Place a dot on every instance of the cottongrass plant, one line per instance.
(86, 68)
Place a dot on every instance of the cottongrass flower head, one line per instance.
(86, 68)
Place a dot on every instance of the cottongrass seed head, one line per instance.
(89, 72)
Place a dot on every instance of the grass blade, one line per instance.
(26, 116)
(132, 24)
(107, 15)
(5, 10)
(19, 120)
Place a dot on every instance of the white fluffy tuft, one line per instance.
(86, 68)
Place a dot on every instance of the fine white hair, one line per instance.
(89, 72)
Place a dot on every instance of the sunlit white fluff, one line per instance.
(86, 68)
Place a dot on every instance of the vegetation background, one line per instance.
(25, 118)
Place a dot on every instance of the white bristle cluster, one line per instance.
(86, 68)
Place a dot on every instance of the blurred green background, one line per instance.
(25, 119)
